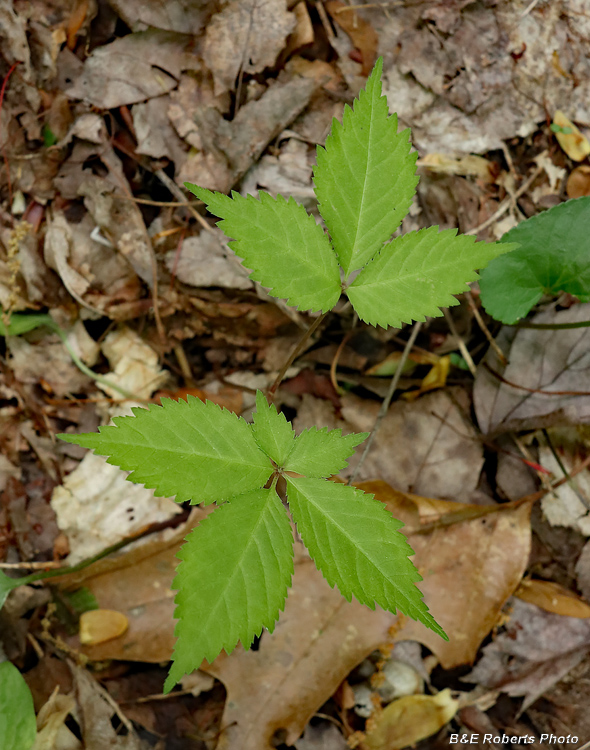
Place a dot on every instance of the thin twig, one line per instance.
(460, 343)
(570, 481)
(296, 352)
(472, 512)
(542, 391)
(551, 326)
(528, 9)
(334, 365)
(179, 195)
(326, 23)
(507, 203)
(387, 399)
(485, 330)
(165, 204)
(30, 565)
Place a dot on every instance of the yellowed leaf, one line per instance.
(101, 625)
(388, 366)
(552, 597)
(574, 143)
(436, 377)
(472, 165)
(410, 719)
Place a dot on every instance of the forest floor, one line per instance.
(106, 108)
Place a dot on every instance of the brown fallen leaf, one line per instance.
(361, 33)
(246, 36)
(134, 68)
(411, 719)
(470, 569)
(536, 650)
(546, 380)
(552, 597)
(184, 16)
(427, 447)
(578, 183)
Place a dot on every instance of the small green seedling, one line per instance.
(236, 566)
(553, 257)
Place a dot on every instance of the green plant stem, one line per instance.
(87, 371)
(296, 352)
(387, 400)
(551, 326)
(66, 570)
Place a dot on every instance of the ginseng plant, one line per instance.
(236, 565)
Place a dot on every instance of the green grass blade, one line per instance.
(233, 579)
(365, 178)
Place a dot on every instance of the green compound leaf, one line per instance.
(365, 177)
(223, 599)
(272, 432)
(355, 543)
(282, 244)
(418, 273)
(18, 726)
(194, 450)
(321, 453)
(553, 257)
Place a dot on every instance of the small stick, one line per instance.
(485, 330)
(387, 399)
(296, 352)
(507, 203)
(460, 343)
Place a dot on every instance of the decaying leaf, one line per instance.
(96, 507)
(552, 597)
(410, 719)
(427, 447)
(361, 32)
(134, 68)
(546, 380)
(535, 651)
(245, 34)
